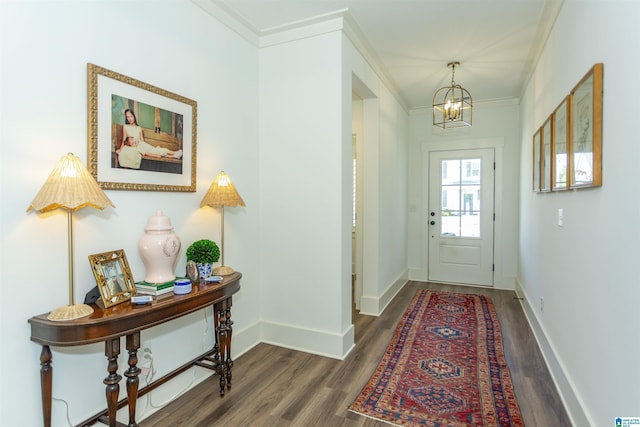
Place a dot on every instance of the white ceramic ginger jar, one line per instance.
(159, 247)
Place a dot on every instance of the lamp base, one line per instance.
(223, 270)
(70, 312)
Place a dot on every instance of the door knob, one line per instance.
(432, 223)
(432, 214)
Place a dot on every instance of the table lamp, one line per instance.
(222, 193)
(71, 187)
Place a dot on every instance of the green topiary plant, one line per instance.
(203, 252)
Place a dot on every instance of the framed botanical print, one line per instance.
(586, 132)
(536, 160)
(559, 149)
(546, 166)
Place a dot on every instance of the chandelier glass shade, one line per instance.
(452, 105)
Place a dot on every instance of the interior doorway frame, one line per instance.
(463, 258)
(364, 125)
(464, 142)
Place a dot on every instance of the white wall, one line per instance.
(586, 270)
(301, 174)
(172, 45)
(278, 121)
(306, 118)
(495, 125)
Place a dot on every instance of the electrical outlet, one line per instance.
(147, 361)
(542, 305)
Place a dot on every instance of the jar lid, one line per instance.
(159, 222)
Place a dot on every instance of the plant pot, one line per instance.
(205, 270)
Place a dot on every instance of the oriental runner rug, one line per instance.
(445, 366)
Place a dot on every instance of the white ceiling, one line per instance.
(495, 41)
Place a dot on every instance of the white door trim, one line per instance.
(500, 281)
(462, 258)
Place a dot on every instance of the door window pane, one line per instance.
(461, 187)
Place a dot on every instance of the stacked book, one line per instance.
(155, 289)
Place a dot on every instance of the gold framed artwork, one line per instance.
(140, 137)
(546, 166)
(560, 155)
(567, 148)
(586, 133)
(113, 277)
(537, 141)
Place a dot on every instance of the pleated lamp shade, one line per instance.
(222, 193)
(70, 187)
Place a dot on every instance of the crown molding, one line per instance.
(551, 9)
(339, 20)
(230, 18)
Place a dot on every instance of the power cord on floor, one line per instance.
(148, 381)
(149, 373)
(148, 356)
(66, 405)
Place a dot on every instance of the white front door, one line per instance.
(461, 216)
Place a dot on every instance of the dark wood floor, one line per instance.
(274, 386)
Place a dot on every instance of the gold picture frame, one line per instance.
(560, 147)
(546, 166)
(113, 276)
(586, 130)
(537, 141)
(162, 154)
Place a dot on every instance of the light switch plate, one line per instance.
(560, 217)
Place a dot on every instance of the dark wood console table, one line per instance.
(108, 325)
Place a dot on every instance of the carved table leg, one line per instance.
(223, 331)
(112, 350)
(227, 359)
(46, 375)
(220, 335)
(133, 344)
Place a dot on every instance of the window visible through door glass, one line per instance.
(460, 216)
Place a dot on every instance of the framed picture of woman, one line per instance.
(141, 137)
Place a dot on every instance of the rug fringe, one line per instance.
(374, 418)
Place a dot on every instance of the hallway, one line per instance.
(274, 386)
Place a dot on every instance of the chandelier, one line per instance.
(452, 104)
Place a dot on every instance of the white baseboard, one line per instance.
(322, 343)
(418, 274)
(565, 387)
(375, 305)
(245, 339)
